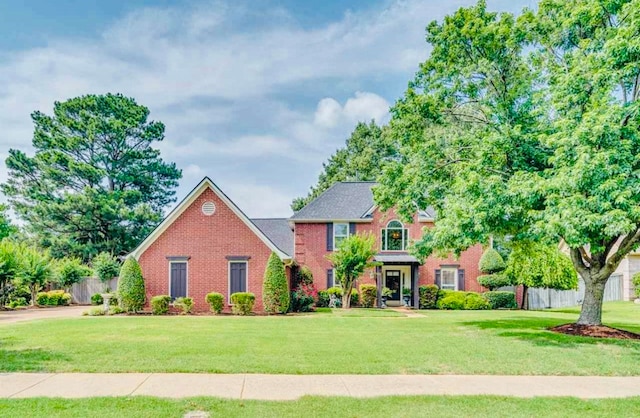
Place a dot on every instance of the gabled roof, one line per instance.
(278, 230)
(187, 201)
(345, 201)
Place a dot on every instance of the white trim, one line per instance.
(191, 197)
(186, 287)
(246, 278)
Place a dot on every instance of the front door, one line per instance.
(178, 286)
(393, 282)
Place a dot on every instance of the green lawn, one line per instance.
(357, 341)
(440, 406)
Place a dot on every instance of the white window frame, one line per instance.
(186, 272)
(454, 270)
(246, 278)
(384, 237)
(341, 236)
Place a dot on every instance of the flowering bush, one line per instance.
(303, 298)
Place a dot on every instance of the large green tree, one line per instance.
(529, 128)
(95, 182)
(364, 153)
(6, 227)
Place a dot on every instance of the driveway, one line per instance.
(10, 317)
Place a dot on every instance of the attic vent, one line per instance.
(208, 208)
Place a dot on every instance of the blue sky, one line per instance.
(256, 95)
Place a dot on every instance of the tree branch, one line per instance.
(578, 262)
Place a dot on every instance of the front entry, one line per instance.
(393, 282)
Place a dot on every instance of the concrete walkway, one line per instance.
(289, 387)
(32, 314)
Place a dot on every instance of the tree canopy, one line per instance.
(95, 182)
(527, 128)
(6, 227)
(360, 160)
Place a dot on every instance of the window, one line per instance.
(449, 280)
(394, 237)
(340, 232)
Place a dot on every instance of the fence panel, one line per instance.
(549, 298)
(81, 292)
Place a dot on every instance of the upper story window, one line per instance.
(340, 232)
(394, 237)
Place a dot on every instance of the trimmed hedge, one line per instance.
(491, 262)
(501, 300)
(275, 290)
(215, 301)
(303, 298)
(131, 286)
(185, 304)
(242, 303)
(368, 295)
(451, 300)
(53, 298)
(337, 291)
(475, 301)
(494, 281)
(96, 299)
(160, 304)
(428, 295)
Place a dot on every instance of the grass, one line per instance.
(440, 406)
(357, 341)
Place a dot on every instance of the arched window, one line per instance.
(394, 237)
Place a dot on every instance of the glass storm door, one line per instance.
(392, 280)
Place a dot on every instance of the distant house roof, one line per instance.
(346, 201)
(342, 201)
(278, 231)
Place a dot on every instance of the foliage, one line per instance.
(368, 295)
(53, 298)
(353, 256)
(303, 298)
(323, 299)
(95, 183)
(160, 304)
(491, 262)
(304, 275)
(106, 266)
(275, 289)
(34, 270)
(494, 281)
(406, 291)
(42, 299)
(95, 311)
(185, 304)
(428, 295)
(636, 284)
(96, 299)
(131, 293)
(360, 160)
(476, 301)
(115, 310)
(533, 264)
(9, 268)
(215, 301)
(454, 300)
(71, 271)
(242, 303)
(6, 228)
(17, 302)
(501, 300)
(386, 292)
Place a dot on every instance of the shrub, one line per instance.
(337, 291)
(184, 304)
(275, 290)
(42, 298)
(65, 299)
(355, 298)
(323, 299)
(115, 310)
(131, 286)
(636, 283)
(95, 311)
(305, 276)
(105, 266)
(368, 295)
(303, 297)
(16, 302)
(160, 304)
(71, 271)
(501, 300)
(491, 262)
(428, 296)
(215, 301)
(242, 303)
(475, 301)
(55, 297)
(96, 299)
(114, 300)
(494, 281)
(453, 300)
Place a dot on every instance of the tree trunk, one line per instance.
(346, 297)
(525, 297)
(34, 293)
(591, 313)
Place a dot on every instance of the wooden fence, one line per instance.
(549, 298)
(81, 292)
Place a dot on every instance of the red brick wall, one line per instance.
(207, 240)
(311, 249)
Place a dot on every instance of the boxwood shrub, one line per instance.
(368, 295)
(501, 300)
(96, 299)
(215, 301)
(452, 300)
(475, 301)
(185, 304)
(242, 303)
(160, 304)
(428, 296)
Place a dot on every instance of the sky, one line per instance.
(254, 94)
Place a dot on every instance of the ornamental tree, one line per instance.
(492, 265)
(354, 254)
(131, 293)
(106, 267)
(35, 270)
(528, 128)
(71, 271)
(9, 268)
(275, 289)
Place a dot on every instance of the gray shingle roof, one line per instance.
(278, 231)
(342, 201)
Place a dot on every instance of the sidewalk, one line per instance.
(289, 387)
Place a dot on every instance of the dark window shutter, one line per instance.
(438, 278)
(329, 236)
(352, 228)
(460, 279)
(329, 278)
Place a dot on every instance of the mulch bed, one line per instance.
(595, 331)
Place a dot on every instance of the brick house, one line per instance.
(208, 244)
